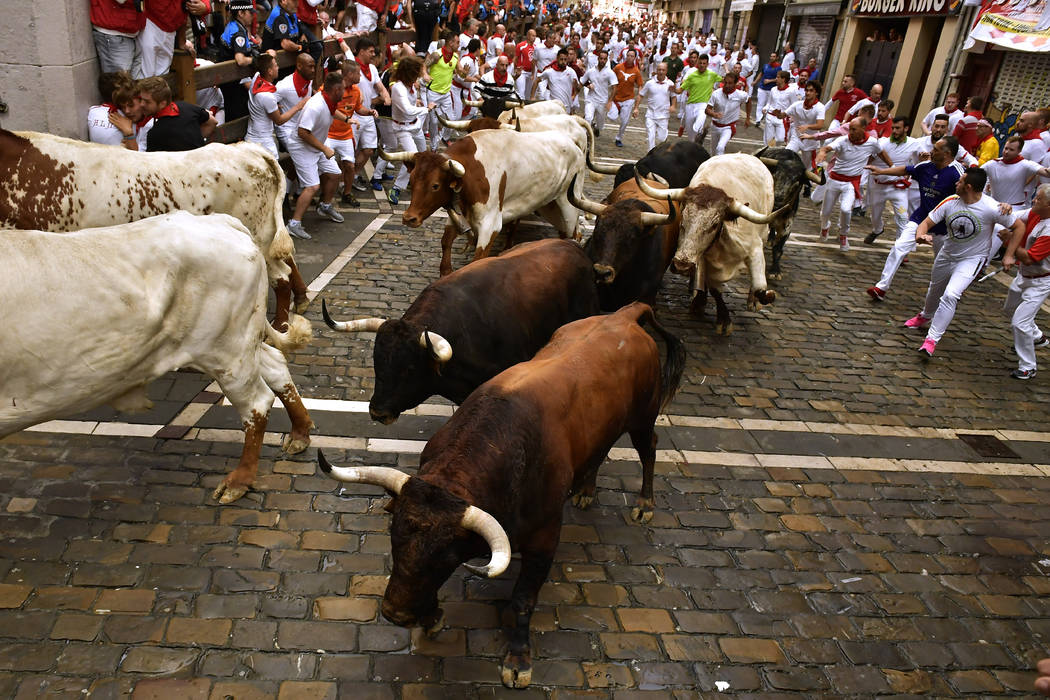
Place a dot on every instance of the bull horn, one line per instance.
(364, 325)
(517, 124)
(658, 178)
(510, 127)
(675, 193)
(474, 103)
(454, 167)
(397, 156)
(813, 177)
(440, 347)
(511, 104)
(390, 479)
(771, 162)
(582, 203)
(654, 219)
(477, 520)
(746, 212)
(457, 124)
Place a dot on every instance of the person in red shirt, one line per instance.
(966, 129)
(525, 50)
(114, 26)
(847, 96)
(882, 124)
(165, 27)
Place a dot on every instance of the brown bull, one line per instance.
(495, 477)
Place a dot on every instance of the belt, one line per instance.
(1035, 277)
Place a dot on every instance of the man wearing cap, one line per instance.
(987, 144)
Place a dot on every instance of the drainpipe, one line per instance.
(780, 34)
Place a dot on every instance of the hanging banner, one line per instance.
(905, 8)
(1021, 26)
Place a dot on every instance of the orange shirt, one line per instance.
(626, 77)
(351, 102)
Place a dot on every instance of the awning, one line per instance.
(1024, 28)
(797, 9)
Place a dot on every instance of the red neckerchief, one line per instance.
(499, 81)
(989, 136)
(1015, 159)
(111, 107)
(172, 110)
(859, 143)
(261, 84)
(332, 104)
(806, 104)
(366, 68)
(143, 122)
(301, 84)
(556, 67)
(976, 115)
(1033, 134)
(446, 53)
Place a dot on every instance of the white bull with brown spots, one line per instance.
(92, 317)
(57, 184)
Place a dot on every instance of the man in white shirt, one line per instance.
(314, 161)
(600, 81)
(658, 92)
(1031, 286)
(264, 111)
(806, 112)
(1009, 175)
(873, 99)
(891, 189)
(789, 55)
(291, 90)
(950, 108)
(470, 32)
(781, 96)
(113, 122)
(494, 46)
(970, 217)
(724, 110)
(561, 81)
(852, 153)
(373, 94)
(546, 55)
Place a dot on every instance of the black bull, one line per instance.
(789, 177)
(469, 326)
(675, 161)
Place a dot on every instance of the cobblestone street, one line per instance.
(835, 517)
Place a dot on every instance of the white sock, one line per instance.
(293, 221)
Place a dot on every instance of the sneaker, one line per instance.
(1023, 374)
(360, 184)
(350, 200)
(823, 235)
(858, 211)
(327, 210)
(870, 238)
(388, 177)
(619, 143)
(917, 321)
(1042, 341)
(876, 294)
(377, 185)
(393, 195)
(927, 347)
(998, 257)
(844, 244)
(296, 229)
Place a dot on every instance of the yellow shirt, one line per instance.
(441, 74)
(987, 150)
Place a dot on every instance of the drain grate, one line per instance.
(988, 446)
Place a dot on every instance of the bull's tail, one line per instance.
(282, 248)
(597, 171)
(674, 365)
(297, 336)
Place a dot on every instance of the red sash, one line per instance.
(852, 179)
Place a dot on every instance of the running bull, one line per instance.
(790, 176)
(56, 184)
(92, 317)
(726, 210)
(469, 326)
(674, 161)
(494, 479)
(635, 236)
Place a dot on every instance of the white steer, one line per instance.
(91, 317)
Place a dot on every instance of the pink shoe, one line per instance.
(927, 348)
(917, 321)
(876, 294)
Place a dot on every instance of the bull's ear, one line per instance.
(389, 505)
(455, 184)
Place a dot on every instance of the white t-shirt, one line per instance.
(899, 153)
(471, 64)
(855, 109)
(658, 97)
(1041, 229)
(600, 83)
(560, 84)
(316, 118)
(850, 158)
(1007, 180)
(786, 61)
(729, 105)
(287, 98)
(464, 39)
(260, 106)
(800, 116)
(717, 64)
(971, 227)
(369, 86)
(925, 145)
(493, 48)
(953, 118)
(1033, 149)
(544, 56)
(782, 99)
(99, 128)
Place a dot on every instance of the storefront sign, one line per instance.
(1022, 27)
(741, 5)
(904, 8)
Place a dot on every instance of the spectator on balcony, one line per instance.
(164, 28)
(114, 27)
(177, 126)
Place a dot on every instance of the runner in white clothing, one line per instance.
(494, 46)
(1008, 176)
(781, 96)
(561, 80)
(852, 153)
(950, 108)
(892, 189)
(1031, 286)
(658, 94)
(807, 112)
(724, 110)
(600, 81)
(970, 218)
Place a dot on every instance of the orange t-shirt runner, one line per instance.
(627, 77)
(351, 102)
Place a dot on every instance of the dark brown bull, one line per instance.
(495, 477)
(635, 237)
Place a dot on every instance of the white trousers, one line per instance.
(845, 194)
(1023, 300)
(624, 108)
(913, 198)
(410, 139)
(524, 84)
(388, 139)
(655, 129)
(720, 136)
(948, 280)
(443, 100)
(157, 47)
(695, 118)
(763, 99)
(772, 129)
(881, 195)
(594, 112)
(367, 19)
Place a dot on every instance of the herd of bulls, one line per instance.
(165, 260)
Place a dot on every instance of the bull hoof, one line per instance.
(724, 328)
(434, 628)
(226, 493)
(295, 445)
(516, 671)
(775, 275)
(301, 305)
(642, 514)
(581, 501)
(767, 296)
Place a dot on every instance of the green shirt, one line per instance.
(700, 85)
(441, 74)
(674, 67)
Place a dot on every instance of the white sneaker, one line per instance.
(844, 244)
(329, 211)
(296, 229)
